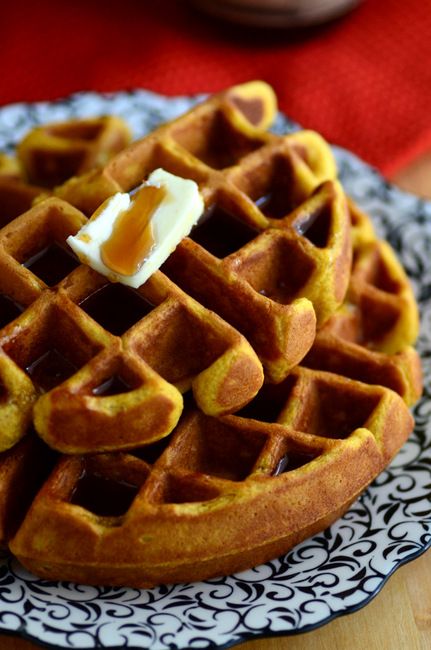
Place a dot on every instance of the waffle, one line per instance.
(16, 194)
(52, 153)
(250, 186)
(215, 420)
(370, 336)
(58, 355)
(9, 167)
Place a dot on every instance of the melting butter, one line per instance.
(130, 236)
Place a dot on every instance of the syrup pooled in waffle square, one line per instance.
(201, 468)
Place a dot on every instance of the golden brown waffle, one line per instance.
(261, 286)
(223, 495)
(23, 469)
(243, 471)
(9, 167)
(153, 343)
(251, 180)
(370, 336)
(52, 153)
(16, 194)
(16, 197)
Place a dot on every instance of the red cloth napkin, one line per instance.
(363, 81)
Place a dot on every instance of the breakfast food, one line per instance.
(128, 238)
(52, 153)
(235, 403)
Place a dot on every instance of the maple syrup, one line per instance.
(52, 264)
(316, 227)
(292, 460)
(275, 204)
(9, 310)
(115, 385)
(269, 401)
(221, 233)
(132, 237)
(103, 496)
(50, 369)
(116, 307)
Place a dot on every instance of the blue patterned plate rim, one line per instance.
(331, 574)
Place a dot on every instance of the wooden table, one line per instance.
(399, 617)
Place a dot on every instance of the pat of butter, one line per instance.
(127, 240)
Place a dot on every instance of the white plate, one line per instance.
(330, 574)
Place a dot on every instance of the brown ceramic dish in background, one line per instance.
(276, 13)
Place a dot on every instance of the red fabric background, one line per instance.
(363, 81)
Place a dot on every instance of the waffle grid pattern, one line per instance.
(249, 469)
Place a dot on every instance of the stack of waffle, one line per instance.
(234, 404)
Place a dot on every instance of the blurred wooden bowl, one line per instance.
(276, 13)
